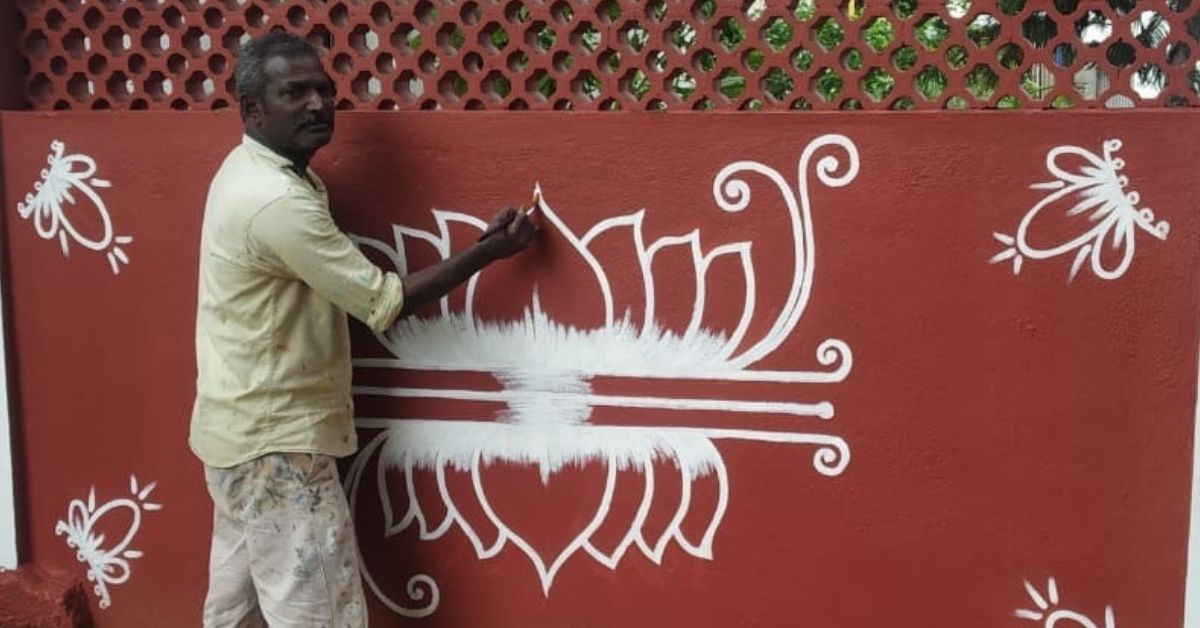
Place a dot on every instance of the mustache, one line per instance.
(325, 119)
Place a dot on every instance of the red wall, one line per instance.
(1001, 427)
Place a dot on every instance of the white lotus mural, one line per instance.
(546, 369)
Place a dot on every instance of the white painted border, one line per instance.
(8, 512)
(1191, 610)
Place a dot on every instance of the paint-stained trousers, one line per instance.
(283, 547)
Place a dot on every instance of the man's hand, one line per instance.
(510, 231)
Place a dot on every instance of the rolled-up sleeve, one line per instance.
(299, 234)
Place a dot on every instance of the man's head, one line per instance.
(286, 97)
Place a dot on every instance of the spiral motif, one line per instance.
(827, 166)
(831, 459)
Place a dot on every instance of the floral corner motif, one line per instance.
(1087, 211)
(65, 176)
(106, 565)
(1049, 611)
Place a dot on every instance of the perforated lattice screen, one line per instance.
(630, 54)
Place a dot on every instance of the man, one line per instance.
(273, 408)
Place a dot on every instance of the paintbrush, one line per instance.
(527, 210)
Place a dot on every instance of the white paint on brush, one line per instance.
(47, 206)
(1094, 197)
(540, 415)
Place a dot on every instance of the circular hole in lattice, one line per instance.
(214, 18)
(157, 85)
(754, 58)
(851, 59)
(474, 104)
(1090, 81)
(405, 39)
(179, 104)
(93, 18)
(58, 65)
(139, 104)
(634, 36)
(100, 103)
(1039, 29)
(1178, 53)
(381, 14)
(116, 40)
(586, 37)
(541, 37)
(777, 34)
(681, 36)
(609, 61)
(320, 37)
(450, 38)
(155, 41)
(217, 64)
(517, 62)
(425, 12)
(634, 84)
(730, 83)
(429, 62)
(97, 64)
(563, 61)
(197, 42)
(680, 84)
(493, 37)
(342, 63)
(80, 87)
(199, 86)
(409, 86)
(256, 18)
(37, 45)
(1148, 81)
(656, 104)
(55, 19)
(585, 85)
(1122, 7)
(385, 63)
(297, 16)
(704, 60)
(339, 15)
(177, 64)
(366, 87)
(1064, 55)
(1037, 82)
(958, 9)
(1066, 7)
(519, 104)
(981, 82)
(41, 89)
(220, 103)
(470, 13)
(827, 84)
(656, 61)
(516, 12)
(957, 57)
(879, 34)
(387, 104)
(1150, 28)
(132, 17)
(234, 39)
(930, 82)
(496, 86)
(363, 40)
(877, 84)
(173, 17)
(119, 87)
(76, 43)
(828, 34)
(562, 12)
(1121, 54)
(542, 85)
(703, 10)
(1093, 28)
(61, 105)
(609, 11)
(1010, 56)
(932, 31)
(904, 58)
(983, 30)
(136, 64)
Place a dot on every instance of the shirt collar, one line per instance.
(258, 149)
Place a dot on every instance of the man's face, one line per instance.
(295, 114)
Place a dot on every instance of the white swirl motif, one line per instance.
(107, 566)
(47, 206)
(1050, 614)
(546, 368)
(1093, 196)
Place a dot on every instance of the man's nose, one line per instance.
(315, 101)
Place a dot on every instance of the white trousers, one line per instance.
(283, 547)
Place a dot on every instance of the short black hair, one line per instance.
(250, 76)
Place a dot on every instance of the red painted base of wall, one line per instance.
(34, 598)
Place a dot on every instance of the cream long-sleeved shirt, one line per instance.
(277, 278)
